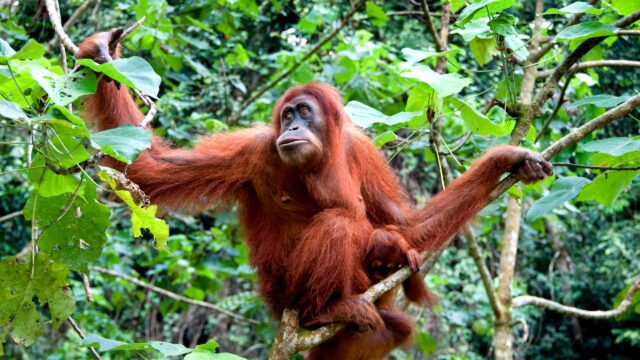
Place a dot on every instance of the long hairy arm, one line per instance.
(184, 179)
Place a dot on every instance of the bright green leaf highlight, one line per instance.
(376, 14)
(141, 217)
(443, 85)
(365, 116)
(477, 123)
(607, 186)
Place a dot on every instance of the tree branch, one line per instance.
(432, 29)
(548, 88)
(78, 331)
(606, 168)
(173, 295)
(54, 17)
(593, 64)
(70, 21)
(345, 21)
(573, 137)
(573, 311)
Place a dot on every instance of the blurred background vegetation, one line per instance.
(212, 55)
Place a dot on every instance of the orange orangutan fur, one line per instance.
(307, 231)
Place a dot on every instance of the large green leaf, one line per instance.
(141, 217)
(575, 8)
(365, 116)
(64, 89)
(376, 14)
(613, 146)
(443, 85)
(48, 183)
(601, 100)
(31, 50)
(477, 123)
(626, 7)
(11, 110)
(492, 6)
(586, 30)
(72, 228)
(123, 143)
(134, 72)
(606, 187)
(563, 190)
(20, 284)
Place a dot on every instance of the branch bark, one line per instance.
(593, 64)
(172, 295)
(573, 311)
(71, 21)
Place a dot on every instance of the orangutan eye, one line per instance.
(288, 115)
(304, 111)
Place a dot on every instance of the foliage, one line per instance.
(202, 60)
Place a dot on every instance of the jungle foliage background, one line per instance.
(578, 238)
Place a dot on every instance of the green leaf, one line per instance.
(123, 143)
(613, 146)
(100, 343)
(364, 115)
(443, 85)
(415, 56)
(11, 110)
(141, 217)
(626, 7)
(477, 123)
(348, 69)
(169, 349)
(575, 8)
(72, 227)
(31, 50)
(384, 138)
(49, 183)
(63, 89)
(586, 30)
(426, 343)
(606, 187)
(309, 23)
(563, 190)
(377, 16)
(19, 316)
(134, 72)
(601, 100)
(480, 327)
(303, 75)
(483, 49)
(493, 6)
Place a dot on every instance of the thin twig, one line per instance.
(432, 29)
(596, 63)
(77, 329)
(173, 295)
(573, 311)
(10, 216)
(87, 287)
(556, 108)
(130, 29)
(606, 168)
